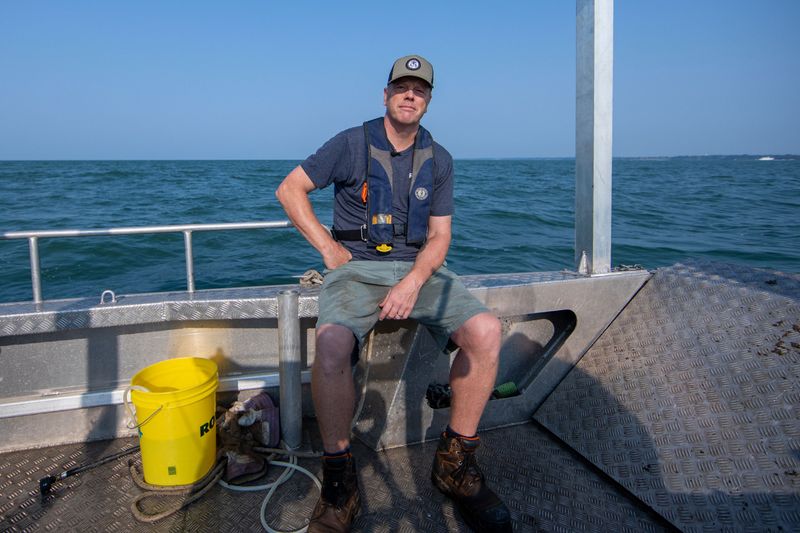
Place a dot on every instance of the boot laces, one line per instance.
(467, 471)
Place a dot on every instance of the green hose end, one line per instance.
(506, 390)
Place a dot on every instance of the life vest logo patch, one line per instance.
(421, 193)
(413, 64)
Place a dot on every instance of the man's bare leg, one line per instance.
(332, 385)
(474, 370)
(334, 398)
(455, 469)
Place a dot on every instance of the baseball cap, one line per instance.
(416, 66)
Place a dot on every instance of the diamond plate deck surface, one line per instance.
(691, 399)
(546, 486)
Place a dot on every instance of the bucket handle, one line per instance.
(131, 413)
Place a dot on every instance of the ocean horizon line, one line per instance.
(776, 157)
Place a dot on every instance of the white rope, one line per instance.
(287, 473)
(290, 467)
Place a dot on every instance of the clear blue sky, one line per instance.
(274, 79)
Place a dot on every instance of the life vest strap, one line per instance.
(360, 234)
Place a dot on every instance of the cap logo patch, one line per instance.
(421, 193)
(413, 64)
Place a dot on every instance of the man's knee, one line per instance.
(334, 344)
(481, 333)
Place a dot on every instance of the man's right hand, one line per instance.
(336, 256)
(293, 196)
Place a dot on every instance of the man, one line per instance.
(392, 216)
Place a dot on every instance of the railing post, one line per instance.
(289, 366)
(187, 242)
(36, 276)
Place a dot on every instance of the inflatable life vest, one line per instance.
(381, 180)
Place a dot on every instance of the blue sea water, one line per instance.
(511, 216)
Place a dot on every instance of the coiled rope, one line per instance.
(289, 470)
(189, 493)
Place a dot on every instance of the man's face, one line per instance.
(406, 100)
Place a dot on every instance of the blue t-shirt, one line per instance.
(343, 162)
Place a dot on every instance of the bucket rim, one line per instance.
(176, 397)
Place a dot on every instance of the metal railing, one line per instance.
(187, 230)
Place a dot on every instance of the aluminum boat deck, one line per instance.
(684, 414)
(546, 486)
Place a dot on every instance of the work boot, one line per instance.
(339, 502)
(456, 475)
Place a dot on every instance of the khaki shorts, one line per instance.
(351, 294)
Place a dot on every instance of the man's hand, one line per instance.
(293, 196)
(400, 301)
(336, 256)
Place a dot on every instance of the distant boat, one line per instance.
(766, 158)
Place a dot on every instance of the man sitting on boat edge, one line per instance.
(393, 206)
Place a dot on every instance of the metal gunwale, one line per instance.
(187, 230)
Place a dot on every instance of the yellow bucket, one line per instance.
(175, 417)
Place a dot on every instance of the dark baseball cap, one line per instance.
(415, 66)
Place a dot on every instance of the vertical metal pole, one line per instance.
(187, 241)
(593, 134)
(289, 367)
(36, 275)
